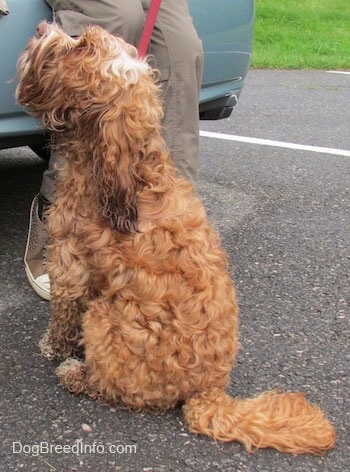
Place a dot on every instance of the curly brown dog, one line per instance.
(139, 281)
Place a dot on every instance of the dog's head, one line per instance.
(100, 99)
(62, 77)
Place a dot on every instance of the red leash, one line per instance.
(148, 28)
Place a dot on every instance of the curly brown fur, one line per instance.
(139, 279)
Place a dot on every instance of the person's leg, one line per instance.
(178, 55)
(122, 17)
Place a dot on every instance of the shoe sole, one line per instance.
(37, 288)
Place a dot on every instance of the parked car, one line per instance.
(225, 27)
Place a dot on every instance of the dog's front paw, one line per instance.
(70, 365)
(46, 347)
(72, 374)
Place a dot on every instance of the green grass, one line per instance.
(302, 34)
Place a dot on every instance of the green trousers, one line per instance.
(177, 53)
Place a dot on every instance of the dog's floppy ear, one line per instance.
(116, 183)
(126, 128)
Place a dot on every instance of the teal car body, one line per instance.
(226, 30)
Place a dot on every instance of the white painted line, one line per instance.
(338, 72)
(268, 142)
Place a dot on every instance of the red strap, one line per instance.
(148, 28)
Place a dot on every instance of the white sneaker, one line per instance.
(35, 257)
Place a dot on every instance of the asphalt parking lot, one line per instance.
(283, 214)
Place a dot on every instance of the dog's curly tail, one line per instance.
(285, 421)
